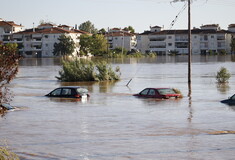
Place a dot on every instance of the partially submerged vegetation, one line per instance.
(6, 154)
(178, 92)
(87, 70)
(9, 62)
(223, 75)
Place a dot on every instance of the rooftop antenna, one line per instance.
(33, 27)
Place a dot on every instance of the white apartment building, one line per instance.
(120, 38)
(39, 42)
(209, 38)
(7, 28)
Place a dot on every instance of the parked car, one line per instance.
(230, 100)
(69, 92)
(162, 93)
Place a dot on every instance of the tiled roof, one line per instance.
(82, 32)
(9, 23)
(231, 26)
(54, 30)
(118, 34)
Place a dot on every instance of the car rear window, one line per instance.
(166, 91)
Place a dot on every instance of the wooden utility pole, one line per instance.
(189, 47)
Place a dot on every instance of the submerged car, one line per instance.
(69, 92)
(230, 100)
(161, 93)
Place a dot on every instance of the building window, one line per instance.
(169, 44)
(46, 36)
(169, 37)
(212, 36)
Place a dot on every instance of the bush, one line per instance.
(178, 92)
(86, 70)
(223, 75)
(5, 154)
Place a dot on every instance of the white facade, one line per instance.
(119, 38)
(207, 39)
(40, 42)
(7, 28)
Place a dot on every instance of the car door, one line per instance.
(144, 93)
(151, 93)
(66, 92)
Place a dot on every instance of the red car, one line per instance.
(161, 93)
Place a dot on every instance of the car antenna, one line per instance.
(133, 76)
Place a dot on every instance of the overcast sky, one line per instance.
(140, 14)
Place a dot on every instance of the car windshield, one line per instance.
(166, 91)
(82, 90)
(233, 97)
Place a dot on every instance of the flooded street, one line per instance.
(114, 125)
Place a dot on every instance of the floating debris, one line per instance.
(221, 132)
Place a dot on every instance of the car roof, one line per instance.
(158, 88)
(75, 87)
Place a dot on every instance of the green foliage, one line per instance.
(88, 27)
(223, 75)
(86, 70)
(6, 154)
(102, 31)
(129, 28)
(96, 44)
(222, 52)
(9, 62)
(232, 45)
(65, 46)
(178, 92)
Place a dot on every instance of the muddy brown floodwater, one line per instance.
(114, 125)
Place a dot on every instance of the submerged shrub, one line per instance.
(86, 70)
(223, 75)
(6, 154)
(178, 92)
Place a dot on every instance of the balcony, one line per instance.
(157, 39)
(157, 46)
(36, 49)
(221, 38)
(181, 39)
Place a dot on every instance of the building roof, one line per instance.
(54, 30)
(9, 23)
(210, 25)
(193, 31)
(155, 27)
(231, 26)
(118, 34)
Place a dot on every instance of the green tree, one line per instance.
(85, 44)
(9, 62)
(96, 44)
(88, 27)
(129, 28)
(223, 75)
(232, 45)
(102, 31)
(65, 46)
(99, 45)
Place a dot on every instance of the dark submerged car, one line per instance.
(69, 92)
(230, 101)
(161, 93)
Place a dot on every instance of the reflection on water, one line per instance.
(113, 124)
(223, 88)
